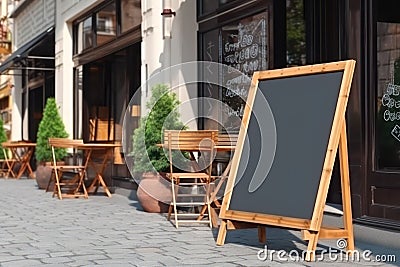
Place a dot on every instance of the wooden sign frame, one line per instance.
(312, 230)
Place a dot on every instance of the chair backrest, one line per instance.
(189, 140)
(62, 143)
(227, 139)
(202, 141)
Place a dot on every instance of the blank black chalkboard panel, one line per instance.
(303, 108)
(292, 167)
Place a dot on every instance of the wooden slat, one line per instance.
(333, 144)
(227, 139)
(345, 185)
(267, 219)
(326, 233)
(64, 142)
(295, 71)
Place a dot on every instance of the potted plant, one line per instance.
(51, 125)
(3, 138)
(149, 160)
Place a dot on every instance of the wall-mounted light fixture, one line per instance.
(167, 12)
(167, 15)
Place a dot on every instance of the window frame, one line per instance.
(93, 13)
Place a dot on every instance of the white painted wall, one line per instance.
(16, 113)
(167, 42)
(66, 12)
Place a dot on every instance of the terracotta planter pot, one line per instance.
(154, 193)
(43, 174)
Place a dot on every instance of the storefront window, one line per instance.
(243, 46)
(85, 35)
(106, 25)
(388, 104)
(130, 14)
(208, 6)
(296, 35)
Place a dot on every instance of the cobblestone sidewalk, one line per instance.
(36, 230)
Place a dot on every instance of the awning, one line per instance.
(23, 52)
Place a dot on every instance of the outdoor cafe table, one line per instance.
(22, 152)
(106, 150)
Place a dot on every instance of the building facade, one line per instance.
(104, 50)
(5, 51)
(30, 67)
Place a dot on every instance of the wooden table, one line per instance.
(22, 152)
(107, 155)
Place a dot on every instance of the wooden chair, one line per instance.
(68, 179)
(190, 187)
(4, 165)
(7, 164)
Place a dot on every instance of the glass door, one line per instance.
(383, 185)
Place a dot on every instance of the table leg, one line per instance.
(21, 169)
(98, 180)
(10, 165)
(213, 197)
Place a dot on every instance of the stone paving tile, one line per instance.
(20, 263)
(80, 263)
(57, 260)
(150, 264)
(6, 258)
(38, 256)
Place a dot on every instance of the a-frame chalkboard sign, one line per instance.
(293, 125)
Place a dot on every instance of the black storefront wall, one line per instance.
(382, 118)
(335, 30)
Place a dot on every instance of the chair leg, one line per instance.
(82, 175)
(171, 205)
(208, 203)
(58, 187)
(10, 169)
(174, 199)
